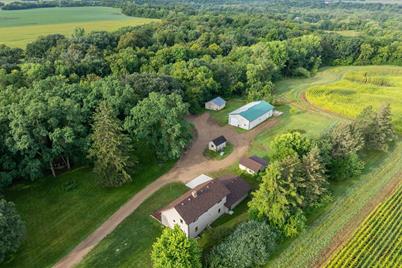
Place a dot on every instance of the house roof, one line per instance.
(254, 163)
(191, 207)
(253, 110)
(197, 201)
(218, 101)
(238, 189)
(219, 140)
(198, 181)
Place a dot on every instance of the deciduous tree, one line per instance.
(174, 249)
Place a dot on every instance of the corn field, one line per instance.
(378, 241)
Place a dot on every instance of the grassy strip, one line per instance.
(60, 212)
(350, 198)
(129, 245)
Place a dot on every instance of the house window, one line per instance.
(196, 228)
(219, 210)
(181, 221)
(174, 220)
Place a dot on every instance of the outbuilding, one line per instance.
(251, 114)
(217, 144)
(215, 104)
(253, 164)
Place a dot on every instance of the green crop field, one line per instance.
(378, 241)
(359, 87)
(19, 27)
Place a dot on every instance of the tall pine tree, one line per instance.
(385, 126)
(316, 179)
(110, 148)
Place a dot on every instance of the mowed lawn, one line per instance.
(60, 212)
(19, 27)
(130, 244)
(360, 87)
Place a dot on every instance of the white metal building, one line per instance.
(251, 114)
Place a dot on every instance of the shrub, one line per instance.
(250, 245)
(12, 229)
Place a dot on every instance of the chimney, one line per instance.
(194, 194)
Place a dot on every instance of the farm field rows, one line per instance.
(17, 28)
(378, 241)
(359, 87)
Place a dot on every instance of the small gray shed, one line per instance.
(215, 104)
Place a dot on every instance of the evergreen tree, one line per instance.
(345, 139)
(110, 148)
(316, 179)
(278, 198)
(385, 126)
(367, 124)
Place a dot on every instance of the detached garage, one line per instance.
(251, 114)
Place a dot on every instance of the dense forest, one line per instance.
(58, 94)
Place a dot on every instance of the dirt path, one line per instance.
(192, 164)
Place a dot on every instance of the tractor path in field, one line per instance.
(192, 164)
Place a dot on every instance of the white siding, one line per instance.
(220, 147)
(249, 171)
(207, 218)
(213, 106)
(171, 217)
(241, 122)
(238, 121)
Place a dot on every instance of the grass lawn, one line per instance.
(130, 244)
(222, 116)
(359, 87)
(58, 218)
(218, 155)
(312, 124)
(19, 27)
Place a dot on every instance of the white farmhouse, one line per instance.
(201, 206)
(251, 114)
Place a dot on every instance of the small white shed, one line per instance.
(215, 104)
(217, 144)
